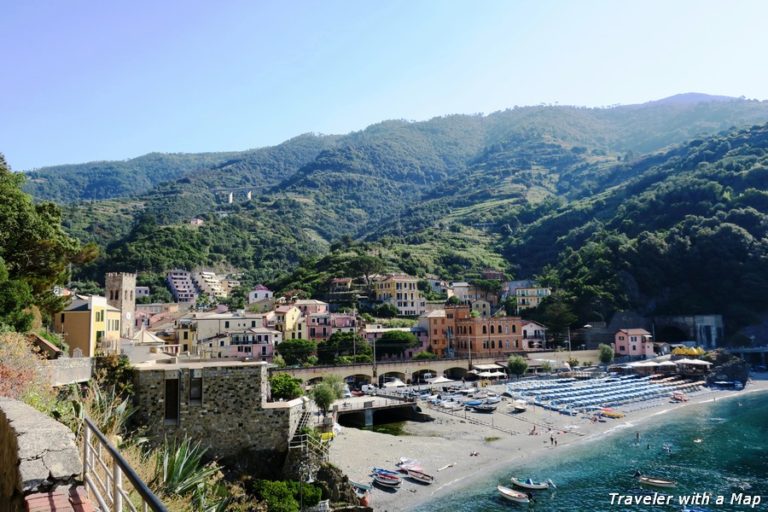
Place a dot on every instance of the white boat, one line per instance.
(420, 476)
(520, 405)
(513, 495)
(530, 484)
(656, 482)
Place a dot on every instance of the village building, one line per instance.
(633, 342)
(87, 324)
(401, 291)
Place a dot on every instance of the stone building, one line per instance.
(223, 404)
(121, 294)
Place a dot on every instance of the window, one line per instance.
(253, 323)
(196, 390)
(186, 335)
(172, 400)
(226, 324)
(62, 318)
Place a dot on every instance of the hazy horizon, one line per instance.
(90, 81)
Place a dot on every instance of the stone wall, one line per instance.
(68, 370)
(232, 415)
(36, 453)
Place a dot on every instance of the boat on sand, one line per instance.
(387, 480)
(420, 476)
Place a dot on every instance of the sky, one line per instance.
(90, 80)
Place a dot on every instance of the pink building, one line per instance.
(320, 326)
(633, 342)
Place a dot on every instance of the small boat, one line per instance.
(486, 408)
(363, 493)
(493, 398)
(655, 482)
(520, 405)
(420, 476)
(382, 471)
(513, 495)
(387, 480)
(530, 484)
(679, 396)
(406, 464)
(472, 403)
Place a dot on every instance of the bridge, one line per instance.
(413, 371)
(407, 371)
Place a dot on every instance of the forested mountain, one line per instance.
(573, 194)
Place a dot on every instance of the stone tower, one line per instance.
(121, 293)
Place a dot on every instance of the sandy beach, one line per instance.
(443, 447)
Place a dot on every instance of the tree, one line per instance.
(366, 266)
(424, 355)
(395, 342)
(342, 344)
(606, 353)
(517, 365)
(15, 299)
(296, 351)
(546, 367)
(387, 311)
(285, 387)
(453, 301)
(558, 316)
(323, 395)
(336, 384)
(34, 247)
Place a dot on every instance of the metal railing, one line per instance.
(106, 472)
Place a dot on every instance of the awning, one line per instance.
(439, 380)
(488, 367)
(695, 362)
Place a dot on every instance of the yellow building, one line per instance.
(87, 322)
(530, 297)
(401, 291)
(287, 321)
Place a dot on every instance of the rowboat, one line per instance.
(513, 495)
(385, 472)
(420, 476)
(530, 484)
(387, 480)
(488, 408)
(363, 493)
(655, 482)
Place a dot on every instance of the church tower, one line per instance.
(121, 293)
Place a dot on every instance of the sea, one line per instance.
(720, 449)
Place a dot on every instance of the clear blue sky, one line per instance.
(94, 80)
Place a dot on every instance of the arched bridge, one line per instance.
(408, 371)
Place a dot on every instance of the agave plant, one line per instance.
(179, 470)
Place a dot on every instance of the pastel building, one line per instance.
(633, 342)
(534, 335)
(531, 297)
(86, 323)
(259, 293)
(401, 291)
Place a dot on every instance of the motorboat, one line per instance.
(513, 495)
(530, 484)
(383, 471)
(420, 476)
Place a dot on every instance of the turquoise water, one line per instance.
(732, 457)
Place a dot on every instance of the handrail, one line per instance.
(121, 468)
